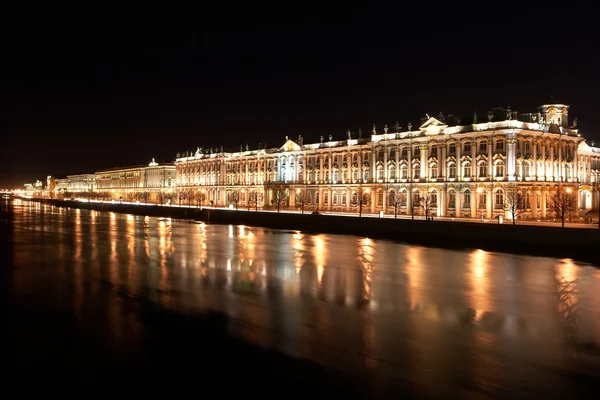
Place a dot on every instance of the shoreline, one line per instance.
(579, 244)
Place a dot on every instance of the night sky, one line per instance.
(92, 88)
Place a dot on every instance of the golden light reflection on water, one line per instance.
(298, 246)
(479, 298)
(343, 266)
(78, 277)
(112, 239)
(164, 242)
(132, 240)
(366, 257)
(320, 257)
(414, 271)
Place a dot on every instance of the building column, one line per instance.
(511, 157)
(397, 164)
(441, 211)
(385, 164)
(373, 196)
(423, 171)
(474, 201)
(490, 203)
(348, 198)
(534, 166)
(490, 158)
(544, 212)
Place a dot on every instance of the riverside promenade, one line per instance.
(579, 243)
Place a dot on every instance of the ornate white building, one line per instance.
(464, 170)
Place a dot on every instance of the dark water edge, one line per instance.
(179, 352)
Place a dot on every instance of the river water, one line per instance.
(435, 322)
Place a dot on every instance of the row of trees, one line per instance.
(562, 203)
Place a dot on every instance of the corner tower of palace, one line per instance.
(464, 170)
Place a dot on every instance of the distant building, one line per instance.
(152, 183)
(81, 183)
(448, 166)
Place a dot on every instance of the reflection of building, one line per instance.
(151, 183)
(461, 166)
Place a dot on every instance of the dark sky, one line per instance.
(90, 88)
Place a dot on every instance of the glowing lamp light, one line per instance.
(231, 206)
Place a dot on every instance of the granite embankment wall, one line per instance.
(576, 243)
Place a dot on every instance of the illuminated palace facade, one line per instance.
(464, 170)
(152, 183)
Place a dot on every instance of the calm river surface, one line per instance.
(444, 323)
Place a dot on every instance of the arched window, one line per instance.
(466, 170)
(317, 198)
(404, 171)
(467, 199)
(451, 199)
(325, 198)
(482, 169)
(416, 171)
(451, 170)
(499, 199)
(433, 171)
(499, 169)
(433, 198)
(392, 172)
(334, 199)
(380, 198)
(344, 198)
(379, 173)
(392, 197)
(403, 197)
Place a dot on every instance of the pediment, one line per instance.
(290, 145)
(433, 126)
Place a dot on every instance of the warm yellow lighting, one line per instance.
(568, 190)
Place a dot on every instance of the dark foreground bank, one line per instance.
(577, 243)
(179, 353)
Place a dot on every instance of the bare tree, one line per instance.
(302, 198)
(200, 198)
(361, 198)
(254, 198)
(234, 198)
(190, 196)
(562, 203)
(278, 197)
(144, 196)
(428, 202)
(395, 200)
(181, 195)
(514, 203)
